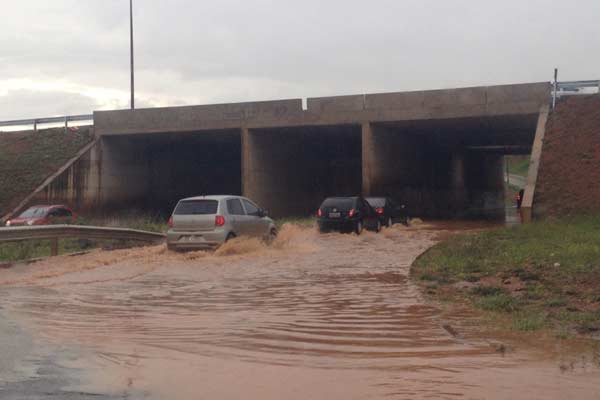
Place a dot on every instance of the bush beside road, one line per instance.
(544, 275)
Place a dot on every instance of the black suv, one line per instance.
(389, 211)
(347, 214)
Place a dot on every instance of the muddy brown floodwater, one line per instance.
(310, 317)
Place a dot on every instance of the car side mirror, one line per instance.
(263, 213)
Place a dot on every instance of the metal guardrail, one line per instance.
(51, 120)
(572, 88)
(55, 232)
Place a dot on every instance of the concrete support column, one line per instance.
(536, 156)
(486, 184)
(250, 177)
(258, 173)
(368, 157)
(125, 173)
(246, 162)
(459, 187)
(496, 179)
(92, 195)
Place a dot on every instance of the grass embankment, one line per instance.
(545, 275)
(27, 158)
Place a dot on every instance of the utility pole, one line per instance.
(131, 51)
(555, 86)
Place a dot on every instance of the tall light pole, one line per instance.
(131, 51)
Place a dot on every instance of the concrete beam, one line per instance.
(194, 118)
(536, 155)
(323, 111)
(322, 105)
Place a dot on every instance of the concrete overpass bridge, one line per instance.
(439, 151)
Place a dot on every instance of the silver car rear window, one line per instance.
(196, 207)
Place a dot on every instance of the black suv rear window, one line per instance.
(343, 203)
(376, 201)
(196, 207)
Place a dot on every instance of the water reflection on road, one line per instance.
(312, 316)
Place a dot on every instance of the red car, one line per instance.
(44, 215)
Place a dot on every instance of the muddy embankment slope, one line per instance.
(27, 158)
(570, 164)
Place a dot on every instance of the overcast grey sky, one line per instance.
(72, 56)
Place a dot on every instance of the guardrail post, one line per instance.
(66, 124)
(54, 247)
(35, 125)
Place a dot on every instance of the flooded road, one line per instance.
(310, 317)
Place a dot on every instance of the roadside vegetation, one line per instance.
(304, 222)
(27, 158)
(29, 250)
(544, 275)
(518, 165)
(132, 219)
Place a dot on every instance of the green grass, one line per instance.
(132, 219)
(556, 263)
(27, 158)
(518, 165)
(305, 222)
(530, 322)
(499, 303)
(11, 252)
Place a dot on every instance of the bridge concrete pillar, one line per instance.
(246, 162)
(368, 158)
(485, 183)
(459, 186)
(262, 170)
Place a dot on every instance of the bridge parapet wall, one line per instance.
(336, 110)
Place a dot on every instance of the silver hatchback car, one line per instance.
(209, 221)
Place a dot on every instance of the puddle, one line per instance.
(311, 316)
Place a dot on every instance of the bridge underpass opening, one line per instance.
(152, 172)
(450, 168)
(289, 171)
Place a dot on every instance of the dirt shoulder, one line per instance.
(542, 276)
(27, 158)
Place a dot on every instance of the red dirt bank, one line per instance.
(569, 176)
